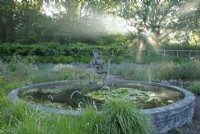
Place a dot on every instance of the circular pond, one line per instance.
(168, 106)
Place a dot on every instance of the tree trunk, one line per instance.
(10, 28)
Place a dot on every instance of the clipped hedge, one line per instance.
(62, 59)
(52, 49)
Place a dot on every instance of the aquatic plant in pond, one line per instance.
(119, 93)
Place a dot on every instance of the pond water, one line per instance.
(78, 94)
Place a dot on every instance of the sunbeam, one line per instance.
(139, 54)
(51, 8)
(115, 24)
(151, 38)
(187, 7)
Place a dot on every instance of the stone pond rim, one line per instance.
(164, 118)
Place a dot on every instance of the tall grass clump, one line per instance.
(43, 123)
(121, 117)
(163, 70)
(90, 120)
(11, 84)
(12, 114)
(51, 74)
(195, 87)
(2, 81)
(171, 70)
(130, 71)
(188, 70)
(117, 117)
(17, 68)
(149, 72)
(3, 101)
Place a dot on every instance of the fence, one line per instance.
(177, 53)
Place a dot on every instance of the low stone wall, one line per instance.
(163, 118)
(174, 115)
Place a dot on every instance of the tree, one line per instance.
(7, 24)
(27, 15)
(157, 20)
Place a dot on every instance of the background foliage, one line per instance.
(28, 22)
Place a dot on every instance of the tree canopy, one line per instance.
(65, 21)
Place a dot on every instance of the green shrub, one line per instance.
(195, 88)
(119, 59)
(53, 49)
(179, 59)
(55, 59)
